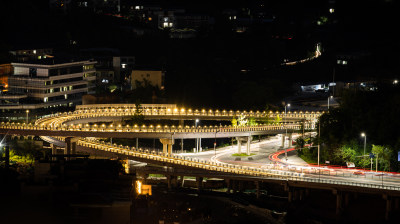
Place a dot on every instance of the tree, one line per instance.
(242, 120)
(300, 143)
(384, 155)
(277, 119)
(252, 121)
(138, 117)
(234, 122)
(345, 154)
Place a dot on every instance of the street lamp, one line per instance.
(286, 105)
(329, 100)
(197, 140)
(365, 142)
(27, 112)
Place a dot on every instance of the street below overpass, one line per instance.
(264, 152)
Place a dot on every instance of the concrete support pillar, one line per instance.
(73, 148)
(53, 151)
(301, 194)
(229, 185)
(290, 140)
(165, 148)
(182, 145)
(199, 183)
(182, 123)
(170, 149)
(339, 199)
(182, 181)
(239, 142)
(290, 195)
(240, 186)
(248, 145)
(200, 148)
(346, 200)
(169, 182)
(167, 145)
(234, 185)
(70, 145)
(388, 206)
(307, 192)
(283, 140)
(257, 189)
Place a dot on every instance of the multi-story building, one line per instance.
(45, 84)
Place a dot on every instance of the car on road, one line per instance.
(359, 173)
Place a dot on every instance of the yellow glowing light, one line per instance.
(138, 186)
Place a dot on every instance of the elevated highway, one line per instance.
(73, 131)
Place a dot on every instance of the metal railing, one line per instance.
(261, 173)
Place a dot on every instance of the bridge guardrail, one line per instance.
(234, 169)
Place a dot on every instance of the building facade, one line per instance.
(152, 77)
(43, 86)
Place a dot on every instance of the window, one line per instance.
(46, 99)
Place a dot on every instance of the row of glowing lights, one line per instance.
(195, 161)
(190, 111)
(227, 167)
(158, 126)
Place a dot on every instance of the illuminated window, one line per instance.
(170, 24)
(34, 51)
(331, 10)
(66, 96)
(123, 65)
(137, 7)
(165, 19)
(46, 99)
(165, 25)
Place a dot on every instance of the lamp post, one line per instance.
(197, 140)
(215, 143)
(319, 137)
(286, 105)
(329, 98)
(365, 142)
(27, 113)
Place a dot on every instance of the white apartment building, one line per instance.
(46, 85)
